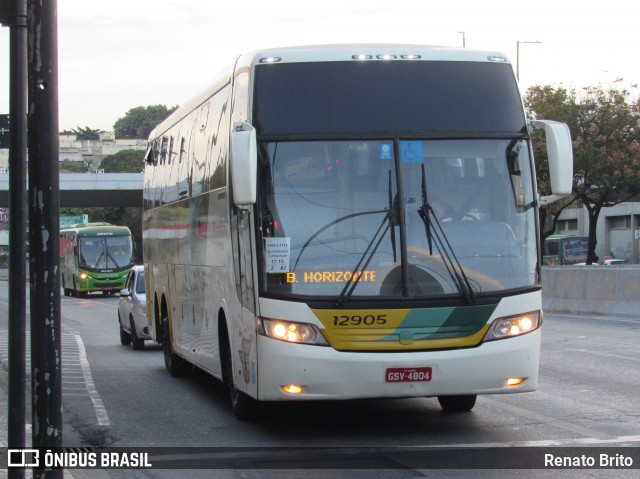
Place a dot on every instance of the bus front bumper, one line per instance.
(326, 374)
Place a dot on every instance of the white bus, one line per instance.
(354, 221)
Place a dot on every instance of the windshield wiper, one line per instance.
(435, 234)
(333, 223)
(354, 215)
(389, 222)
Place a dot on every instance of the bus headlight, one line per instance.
(514, 326)
(291, 332)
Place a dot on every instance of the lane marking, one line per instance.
(583, 441)
(595, 318)
(98, 405)
(559, 423)
(606, 355)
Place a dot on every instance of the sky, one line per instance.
(119, 54)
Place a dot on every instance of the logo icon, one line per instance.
(23, 458)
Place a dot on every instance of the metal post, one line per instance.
(518, 61)
(44, 228)
(464, 39)
(518, 57)
(16, 19)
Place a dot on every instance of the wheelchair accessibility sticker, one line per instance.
(411, 151)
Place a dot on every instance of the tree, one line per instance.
(546, 102)
(125, 161)
(71, 165)
(138, 122)
(85, 133)
(605, 127)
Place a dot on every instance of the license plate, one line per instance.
(406, 375)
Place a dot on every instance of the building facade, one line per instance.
(617, 233)
(89, 152)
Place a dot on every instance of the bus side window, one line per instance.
(163, 150)
(170, 150)
(551, 248)
(182, 150)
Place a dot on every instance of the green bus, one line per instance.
(95, 257)
(564, 250)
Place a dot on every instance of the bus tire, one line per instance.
(461, 403)
(136, 343)
(125, 338)
(176, 366)
(244, 408)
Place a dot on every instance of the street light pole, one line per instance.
(464, 40)
(14, 15)
(518, 57)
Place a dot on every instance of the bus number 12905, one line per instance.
(357, 320)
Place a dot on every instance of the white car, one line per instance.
(132, 310)
(613, 261)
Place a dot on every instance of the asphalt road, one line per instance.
(114, 396)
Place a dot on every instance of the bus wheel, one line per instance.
(457, 403)
(175, 364)
(125, 338)
(244, 407)
(136, 342)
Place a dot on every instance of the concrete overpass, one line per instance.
(83, 190)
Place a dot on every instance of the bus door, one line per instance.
(243, 339)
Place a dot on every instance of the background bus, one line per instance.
(565, 250)
(292, 243)
(94, 257)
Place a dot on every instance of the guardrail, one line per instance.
(599, 290)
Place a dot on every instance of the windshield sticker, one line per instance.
(277, 255)
(411, 151)
(385, 150)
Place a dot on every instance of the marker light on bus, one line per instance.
(270, 59)
(513, 382)
(514, 326)
(84, 275)
(292, 389)
(291, 332)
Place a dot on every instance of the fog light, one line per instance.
(83, 276)
(512, 382)
(292, 389)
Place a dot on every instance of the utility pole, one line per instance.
(14, 15)
(44, 229)
(464, 39)
(518, 43)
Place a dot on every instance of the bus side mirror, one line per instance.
(560, 158)
(244, 164)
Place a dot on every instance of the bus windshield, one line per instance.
(106, 252)
(335, 212)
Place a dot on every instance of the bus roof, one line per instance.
(561, 236)
(98, 229)
(364, 52)
(329, 53)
